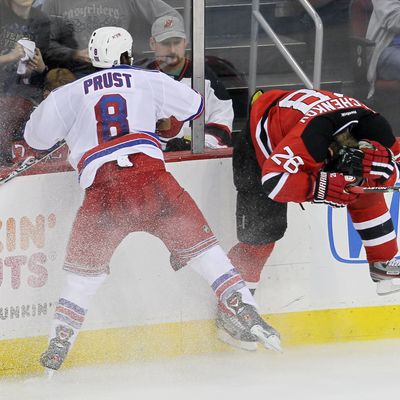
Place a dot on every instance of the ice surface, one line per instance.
(349, 371)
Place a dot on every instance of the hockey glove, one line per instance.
(330, 189)
(348, 162)
(378, 162)
(178, 144)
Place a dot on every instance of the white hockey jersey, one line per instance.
(109, 114)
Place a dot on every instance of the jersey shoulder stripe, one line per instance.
(198, 112)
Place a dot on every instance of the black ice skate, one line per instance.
(386, 274)
(58, 348)
(252, 325)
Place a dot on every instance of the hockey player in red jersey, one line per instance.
(311, 146)
(108, 121)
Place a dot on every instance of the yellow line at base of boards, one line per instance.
(151, 342)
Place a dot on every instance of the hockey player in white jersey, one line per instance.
(108, 120)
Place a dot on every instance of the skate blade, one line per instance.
(388, 286)
(49, 373)
(271, 342)
(225, 337)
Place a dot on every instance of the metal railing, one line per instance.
(198, 54)
(197, 8)
(258, 19)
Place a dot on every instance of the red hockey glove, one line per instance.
(378, 162)
(330, 189)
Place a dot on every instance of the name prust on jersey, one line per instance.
(335, 104)
(107, 80)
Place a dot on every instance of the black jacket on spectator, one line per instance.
(12, 29)
(17, 98)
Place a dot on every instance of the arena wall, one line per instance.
(315, 289)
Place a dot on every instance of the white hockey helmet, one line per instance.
(107, 44)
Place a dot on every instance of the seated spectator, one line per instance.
(73, 21)
(384, 31)
(168, 41)
(24, 37)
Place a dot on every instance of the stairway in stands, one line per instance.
(228, 24)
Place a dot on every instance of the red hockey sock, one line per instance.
(370, 214)
(249, 260)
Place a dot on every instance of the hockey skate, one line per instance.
(232, 332)
(244, 327)
(57, 351)
(386, 275)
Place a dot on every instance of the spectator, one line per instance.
(73, 21)
(20, 76)
(289, 152)
(110, 135)
(22, 68)
(168, 41)
(384, 31)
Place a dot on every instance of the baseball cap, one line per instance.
(167, 27)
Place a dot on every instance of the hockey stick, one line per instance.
(29, 162)
(374, 189)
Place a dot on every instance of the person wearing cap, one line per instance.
(168, 41)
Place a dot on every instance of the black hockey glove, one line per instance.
(178, 144)
(349, 161)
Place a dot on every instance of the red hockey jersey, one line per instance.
(292, 130)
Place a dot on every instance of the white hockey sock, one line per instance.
(73, 303)
(214, 266)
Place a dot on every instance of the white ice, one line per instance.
(348, 371)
